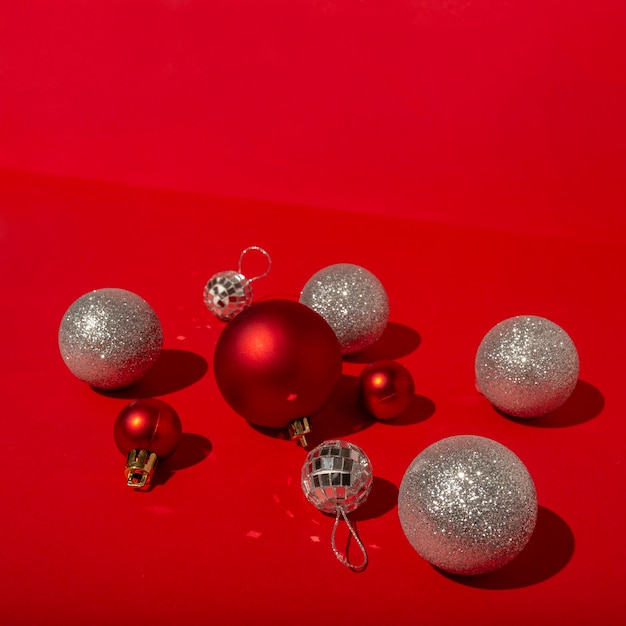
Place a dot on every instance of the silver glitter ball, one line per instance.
(467, 505)
(336, 474)
(526, 366)
(109, 338)
(353, 302)
(227, 294)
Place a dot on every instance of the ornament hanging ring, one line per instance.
(344, 560)
(228, 293)
(264, 253)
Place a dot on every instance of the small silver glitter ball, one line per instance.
(467, 505)
(526, 366)
(353, 302)
(336, 474)
(227, 294)
(110, 337)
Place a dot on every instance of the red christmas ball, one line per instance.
(277, 361)
(148, 424)
(385, 389)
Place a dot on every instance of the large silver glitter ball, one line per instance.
(467, 504)
(227, 294)
(336, 474)
(353, 302)
(526, 366)
(109, 338)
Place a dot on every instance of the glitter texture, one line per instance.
(110, 337)
(336, 474)
(467, 505)
(353, 302)
(526, 366)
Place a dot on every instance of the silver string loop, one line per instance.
(264, 253)
(340, 557)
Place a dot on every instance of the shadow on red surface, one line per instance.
(549, 550)
(192, 449)
(420, 409)
(174, 370)
(585, 404)
(343, 416)
(382, 498)
(340, 417)
(396, 341)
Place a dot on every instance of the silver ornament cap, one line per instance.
(467, 505)
(353, 302)
(526, 366)
(109, 338)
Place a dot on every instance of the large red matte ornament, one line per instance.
(385, 389)
(276, 362)
(146, 430)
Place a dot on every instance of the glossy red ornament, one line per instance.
(146, 430)
(385, 389)
(276, 362)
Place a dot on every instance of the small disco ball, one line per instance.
(227, 294)
(336, 474)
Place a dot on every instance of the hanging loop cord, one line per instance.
(343, 559)
(264, 253)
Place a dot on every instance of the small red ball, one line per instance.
(385, 389)
(277, 361)
(148, 424)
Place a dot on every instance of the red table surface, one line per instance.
(471, 155)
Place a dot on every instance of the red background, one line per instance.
(470, 154)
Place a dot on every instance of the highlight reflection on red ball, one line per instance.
(148, 424)
(385, 389)
(277, 361)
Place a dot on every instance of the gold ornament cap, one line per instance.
(298, 429)
(140, 466)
